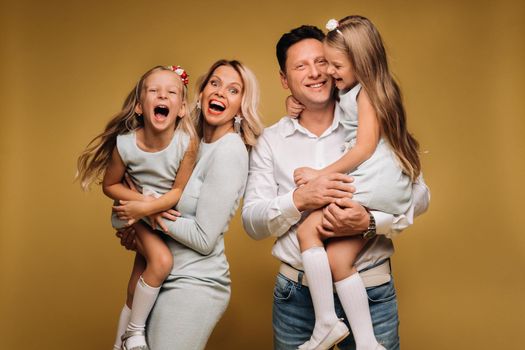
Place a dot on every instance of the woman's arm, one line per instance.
(223, 184)
(112, 183)
(368, 134)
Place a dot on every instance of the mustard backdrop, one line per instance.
(66, 67)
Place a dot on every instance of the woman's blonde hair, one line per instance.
(93, 161)
(359, 39)
(251, 126)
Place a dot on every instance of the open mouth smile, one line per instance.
(316, 85)
(216, 107)
(161, 111)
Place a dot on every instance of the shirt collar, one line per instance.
(291, 125)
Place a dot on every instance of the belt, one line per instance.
(372, 277)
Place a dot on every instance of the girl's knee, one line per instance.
(162, 264)
(307, 230)
(306, 233)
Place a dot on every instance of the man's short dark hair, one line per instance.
(293, 37)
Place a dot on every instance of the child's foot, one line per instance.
(335, 335)
(134, 340)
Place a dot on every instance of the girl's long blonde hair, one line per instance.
(359, 39)
(251, 126)
(93, 161)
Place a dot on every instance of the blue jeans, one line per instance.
(294, 318)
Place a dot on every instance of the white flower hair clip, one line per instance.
(333, 24)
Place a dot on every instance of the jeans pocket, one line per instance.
(382, 293)
(283, 288)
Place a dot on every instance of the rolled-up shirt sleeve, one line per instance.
(265, 213)
(392, 225)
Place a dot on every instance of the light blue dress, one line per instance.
(379, 181)
(152, 172)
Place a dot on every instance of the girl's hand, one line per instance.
(293, 107)
(132, 211)
(302, 176)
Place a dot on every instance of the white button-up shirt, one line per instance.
(269, 209)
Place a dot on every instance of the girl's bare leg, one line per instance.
(307, 234)
(159, 260)
(158, 265)
(328, 328)
(342, 254)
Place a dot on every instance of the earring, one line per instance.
(198, 106)
(237, 124)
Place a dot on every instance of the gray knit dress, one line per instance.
(197, 291)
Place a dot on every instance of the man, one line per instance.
(273, 205)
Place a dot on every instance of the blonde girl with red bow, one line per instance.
(151, 141)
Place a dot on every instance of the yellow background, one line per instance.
(66, 66)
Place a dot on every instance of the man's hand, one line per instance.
(344, 217)
(322, 191)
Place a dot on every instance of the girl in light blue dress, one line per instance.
(383, 159)
(153, 140)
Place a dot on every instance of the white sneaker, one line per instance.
(338, 332)
(130, 334)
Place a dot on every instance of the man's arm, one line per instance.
(265, 213)
(420, 203)
(346, 217)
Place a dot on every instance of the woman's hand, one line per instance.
(302, 176)
(130, 183)
(157, 222)
(293, 107)
(127, 238)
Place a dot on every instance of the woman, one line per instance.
(197, 291)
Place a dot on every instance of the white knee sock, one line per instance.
(143, 300)
(317, 269)
(122, 324)
(353, 297)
